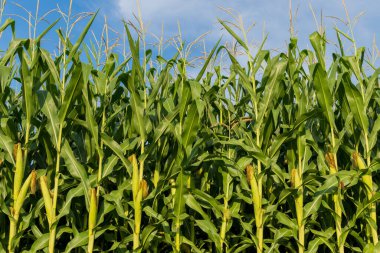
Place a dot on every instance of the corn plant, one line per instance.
(101, 151)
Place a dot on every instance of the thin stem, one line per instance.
(224, 224)
(226, 194)
(55, 193)
(101, 156)
(259, 214)
(138, 208)
(299, 201)
(178, 236)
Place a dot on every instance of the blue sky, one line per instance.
(198, 16)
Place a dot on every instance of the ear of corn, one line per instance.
(20, 189)
(47, 199)
(19, 172)
(16, 209)
(22, 194)
(139, 191)
(135, 176)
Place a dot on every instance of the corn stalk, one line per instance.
(20, 190)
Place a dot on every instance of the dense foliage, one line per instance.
(276, 155)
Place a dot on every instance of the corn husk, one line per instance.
(19, 173)
(47, 199)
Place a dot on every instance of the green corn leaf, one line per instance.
(271, 89)
(38, 39)
(354, 66)
(209, 57)
(73, 193)
(185, 97)
(79, 240)
(27, 89)
(370, 89)
(49, 108)
(72, 91)
(109, 165)
(180, 196)
(236, 37)
(312, 207)
(318, 43)
(281, 139)
(116, 148)
(91, 122)
(137, 107)
(76, 170)
(190, 128)
(54, 71)
(324, 96)
(14, 46)
(193, 204)
(7, 145)
(81, 37)
(356, 103)
(8, 23)
(210, 230)
(134, 47)
(41, 243)
(373, 136)
(147, 235)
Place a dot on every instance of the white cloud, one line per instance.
(195, 16)
(199, 16)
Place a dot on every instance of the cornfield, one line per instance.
(277, 154)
